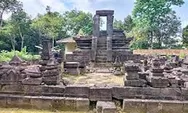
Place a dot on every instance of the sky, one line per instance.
(122, 8)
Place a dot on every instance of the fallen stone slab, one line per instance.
(105, 107)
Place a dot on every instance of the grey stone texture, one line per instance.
(105, 107)
(100, 94)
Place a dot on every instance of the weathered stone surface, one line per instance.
(50, 73)
(134, 106)
(154, 106)
(12, 89)
(77, 91)
(82, 104)
(171, 94)
(172, 107)
(70, 104)
(135, 83)
(126, 92)
(104, 12)
(57, 90)
(46, 50)
(32, 90)
(18, 102)
(147, 93)
(157, 70)
(42, 103)
(34, 75)
(53, 80)
(71, 64)
(143, 75)
(15, 60)
(100, 93)
(3, 100)
(32, 81)
(132, 76)
(105, 107)
(158, 82)
(72, 71)
(157, 74)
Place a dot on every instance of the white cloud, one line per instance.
(184, 24)
(33, 7)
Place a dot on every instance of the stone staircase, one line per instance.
(101, 55)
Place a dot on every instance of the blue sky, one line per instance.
(122, 7)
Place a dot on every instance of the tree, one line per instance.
(7, 38)
(126, 25)
(50, 24)
(147, 14)
(169, 27)
(7, 6)
(78, 20)
(21, 24)
(185, 36)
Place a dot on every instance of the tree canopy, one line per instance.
(153, 24)
(153, 16)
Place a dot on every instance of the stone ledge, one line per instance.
(45, 102)
(77, 91)
(154, 106)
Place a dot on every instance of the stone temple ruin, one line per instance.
(152, 84)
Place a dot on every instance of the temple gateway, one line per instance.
(108, 72)
(104, 46)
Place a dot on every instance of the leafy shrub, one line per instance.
(182, 55)
(23, 54)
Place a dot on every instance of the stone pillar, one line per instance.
(96, 30)
(46, 51)
(109, 36)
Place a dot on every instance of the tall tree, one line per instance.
(78, 21)
(21, 24)
(51, 24)
(126, 25)
(7, 37)
(185, 36)
(147, 14)
(7, 6)
(169, 28)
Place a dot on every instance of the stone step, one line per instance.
(101, 45)
(104, 57)
(101, 48)
(101, 52)
(106, 107)
(103, 64)
(101, 59)
(102, 40)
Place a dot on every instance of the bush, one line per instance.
(23, 54)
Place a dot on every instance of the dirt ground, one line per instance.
(96, 79)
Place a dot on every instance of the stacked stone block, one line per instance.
(50, 72)
(49, 66)
(34, 76)
(157, 78)
(132, 78)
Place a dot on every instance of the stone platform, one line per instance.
(154, 106)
